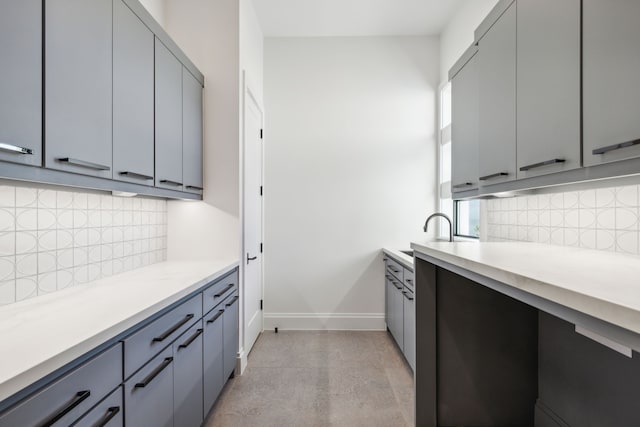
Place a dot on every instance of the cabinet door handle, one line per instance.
(463, 185)
(395, 270)
(84, 164)
(173, 328)
(169, 182)
(493, 175)
(224, 291)
(136, 175)
(80, 397)
(249, 259)
(233, 301)
(15, 148)
(406, 295)
(214, 318)
(396, 285)
(194, 187)
(145, 382)
(539, 165)
(603, 150)
(409, 281)
(111, 412)
(191, 339)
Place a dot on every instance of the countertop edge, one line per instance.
(403, 259)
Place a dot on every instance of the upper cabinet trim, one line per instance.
(493, 16)
(464, 59)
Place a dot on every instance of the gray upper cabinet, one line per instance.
(548, 105)
(133, 70)
(497, 100)
(464, 127)
(611, 80)
(191, 133)
(78, 86)
(21, 82)
(168, 125)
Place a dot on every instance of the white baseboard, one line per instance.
(325, 321)
(241, 362)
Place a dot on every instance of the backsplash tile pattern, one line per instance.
(603, 219)
(51, 239)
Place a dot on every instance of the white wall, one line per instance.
(350, 167)
(156, 9)
(457, 36)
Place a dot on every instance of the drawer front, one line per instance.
(149, 341)
(230, 322)
(221, 289)
(71, 396)
(408, 279)
(148, 395)
(393, 267)
(108, 413)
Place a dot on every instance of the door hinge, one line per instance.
(260, 133)
(260, 247)
(261, 190)
(260, 304)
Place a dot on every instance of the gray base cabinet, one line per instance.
(187, 381)
(213, 370)
(108, 413)
(409, 327)
(230, 321)
(400, 308)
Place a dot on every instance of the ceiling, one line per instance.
(317, 18)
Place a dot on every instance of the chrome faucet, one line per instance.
(426, 224)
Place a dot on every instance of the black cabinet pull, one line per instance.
(145, 382)
(169, 182)
(84, 164)
(15, 148)
(224, 291)
(249, 259)
(214, 318)
(539, 165)
(394, 269)
(80, 397)
(406, 295)
(493, 175)
(398, 287)
(194, 187)
(233, 301)
(111, 412)
(191, 339)
(466, 184)
(173, 329)
(136, 175)
(603, 150)
(410, 281)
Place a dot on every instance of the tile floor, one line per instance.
(319, 378)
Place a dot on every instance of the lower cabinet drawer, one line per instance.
(64, 401)
(108, 413)
(147, 342)
(148, 395)
(221, 289)
(187, 378)
(213, 369)
(394, 267)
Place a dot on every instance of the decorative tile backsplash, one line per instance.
(51, 239)
(604, 219)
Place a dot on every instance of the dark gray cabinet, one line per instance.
(230, 335)
(409, 327)
(548, 88)
(191, 133)
(21, 82)
(78, 86)
(213, 369)
(188, 378)
(464, 127)
(168, 122)
(611, 80)
(497, 100)
(133, 91)
(149, 393)
(108, 413)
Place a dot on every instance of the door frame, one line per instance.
(248, 95)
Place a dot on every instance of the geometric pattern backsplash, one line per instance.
(603, 219)
(50, 239)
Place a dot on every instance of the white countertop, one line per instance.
(402, 258)
(45, 333)
(605, 285)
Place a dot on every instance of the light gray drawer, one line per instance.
(67, 399)
(108, 413)
(408, 279)
(395, 268)
(150, 340)
(221, 289)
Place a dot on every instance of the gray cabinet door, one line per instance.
(191, 133)
(397, 313)
(611, 80)
(108, 413)
(213, 369)
(548, 106)
(388, 286)
(409, 328)
(168, 109)
(187, 378)
(133, 68)
(497, 99)
(464, 128)
(230, 334)
(78, 85)
(21, 81)
(149, 393)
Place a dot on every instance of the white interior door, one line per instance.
(252, 261)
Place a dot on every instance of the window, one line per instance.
(465, 214)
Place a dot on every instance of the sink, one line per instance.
(410, 253)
